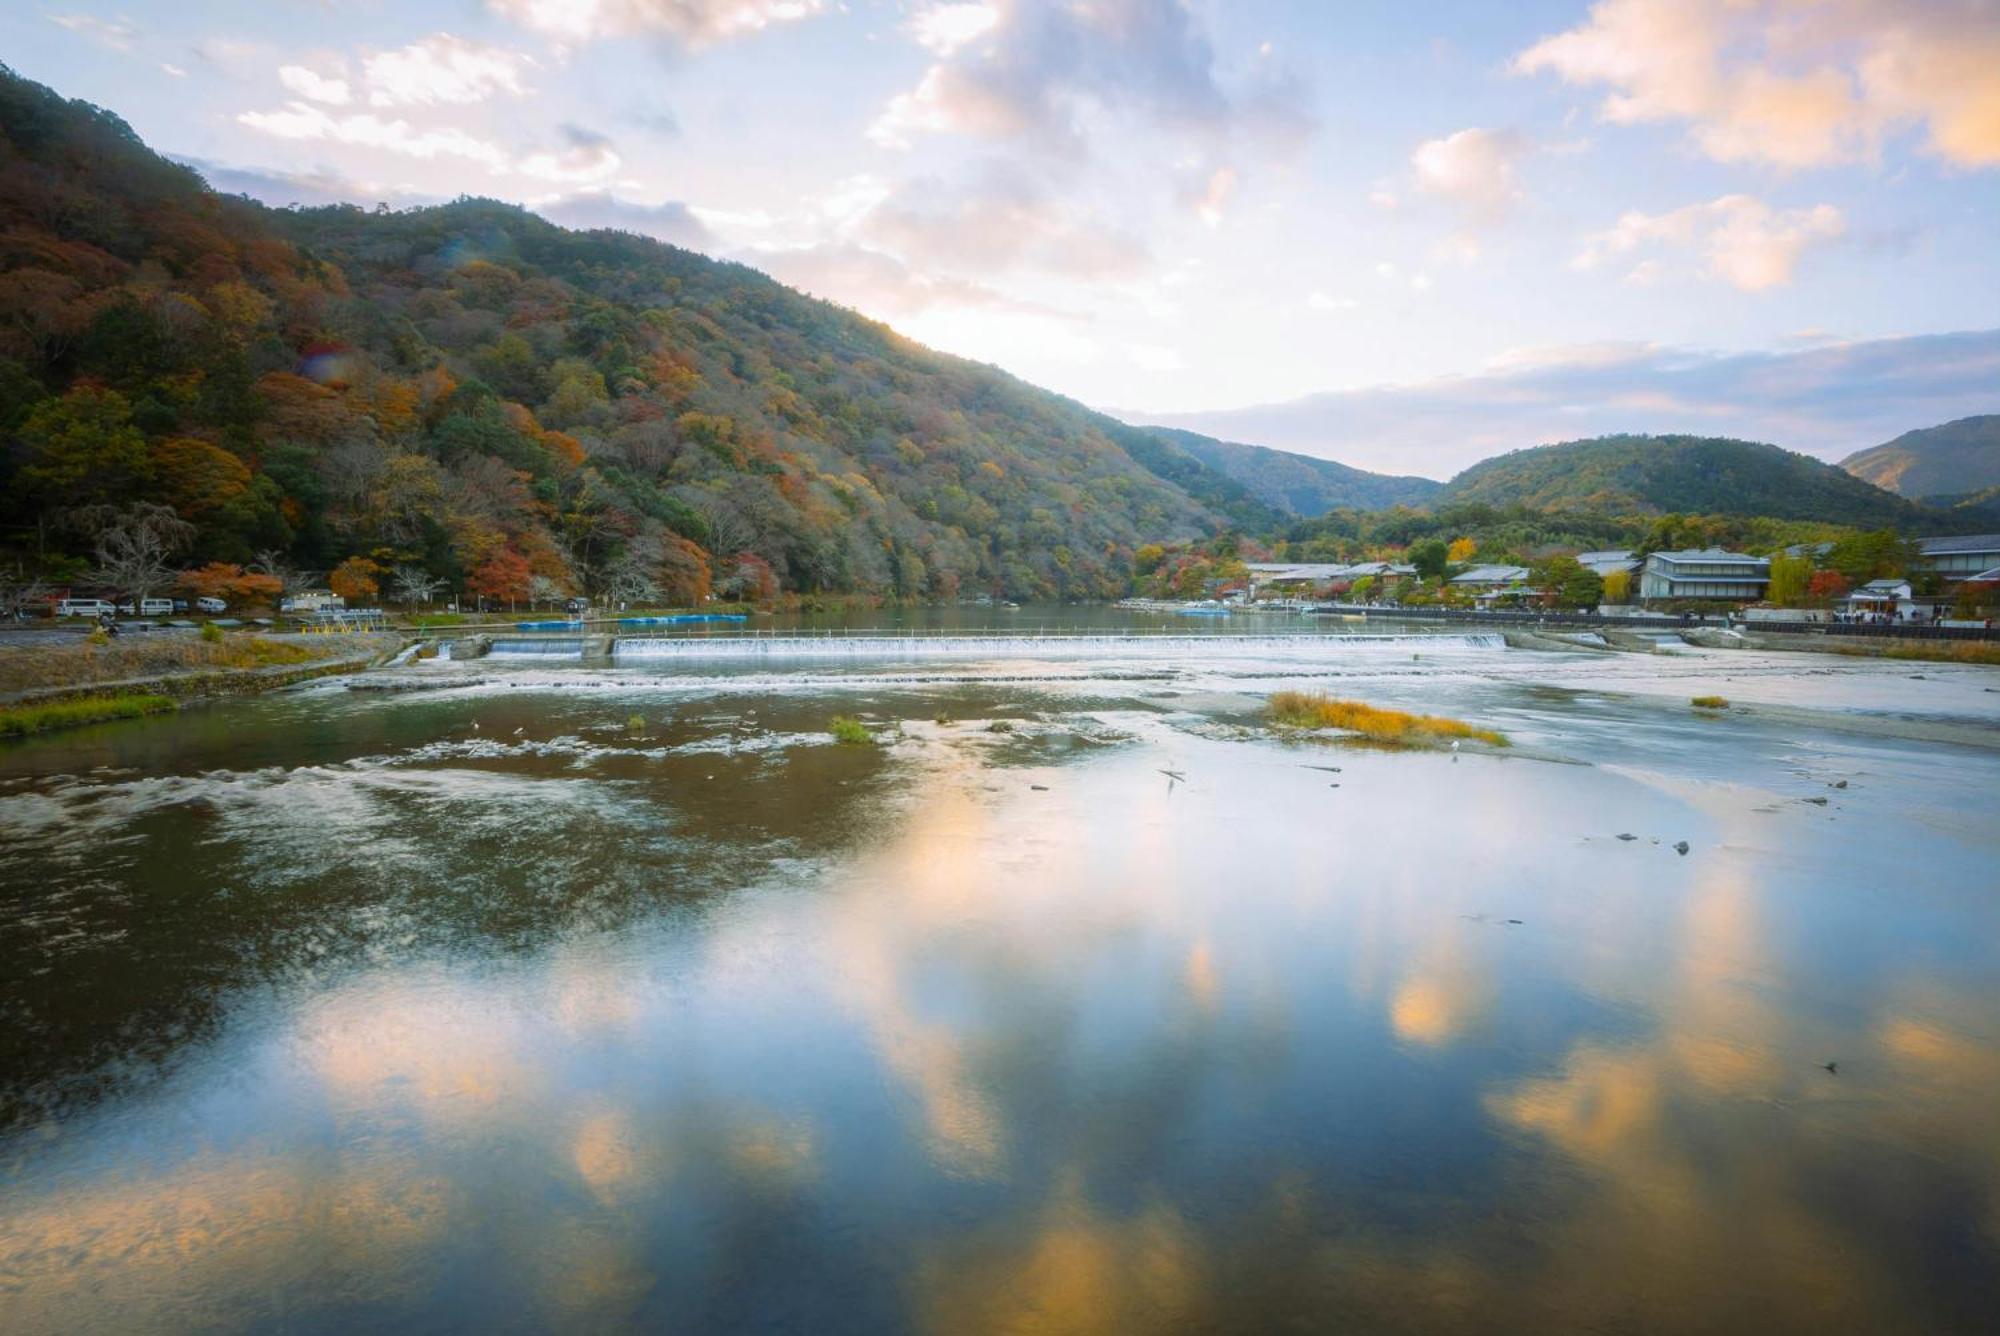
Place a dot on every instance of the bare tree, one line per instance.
(414, 584)
(634, 575)
(541, 589)
(135, 546)
(291, 580)
(19, 593)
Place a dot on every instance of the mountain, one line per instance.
(1940, 464)
(474, 393)
(1690, 474)
(1300, 486)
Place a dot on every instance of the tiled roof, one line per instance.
(1971, 542)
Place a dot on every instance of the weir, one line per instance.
(635, 648)
(538, 647)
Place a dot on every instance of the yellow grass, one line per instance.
(1711, 702)
(1303, 709)
(1964, 651)
(135, 656)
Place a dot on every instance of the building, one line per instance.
(1704, 573)
(1962, 557)
(1489, 577)
(1608, 561)
(1887, 600)
(1294, 574)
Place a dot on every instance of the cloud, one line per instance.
(1004, 220)
(443, 70)
(1744, 241)
(1321, 301)
(587, 209)
(691, 23)
(943, 29)
(1474, 169)
(673, 222)
(1827, 401)
(1797, 85)
(585, 156)
(302, 120)
(116, 34)
(315, 87)
(1015, 68)
(876, 282)
(309, 189)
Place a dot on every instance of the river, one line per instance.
(508, 995)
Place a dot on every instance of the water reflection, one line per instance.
(714, 1025)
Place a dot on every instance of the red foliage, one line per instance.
(502, 575)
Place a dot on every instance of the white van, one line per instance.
(209, 603)
(156, 607)
(85, 607)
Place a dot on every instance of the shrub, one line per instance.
(849, 731)
(1302, 709)
(1711, 703)
(211, 633)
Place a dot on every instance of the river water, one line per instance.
(532, 996)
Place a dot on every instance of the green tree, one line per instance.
(1863, 557)
(82, 449)
(1789, 578)
(1569, 582)
(1430, 557)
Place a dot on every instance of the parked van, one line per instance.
(211, 604)
(156, 607)
(85, 607)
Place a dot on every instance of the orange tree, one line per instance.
(503, 575)
(355, 579)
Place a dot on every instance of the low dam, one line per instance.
(633, 649)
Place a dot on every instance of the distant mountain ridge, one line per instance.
(1941, 464)
(1300, 486)
(1695, 474)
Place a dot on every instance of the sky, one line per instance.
(1403, 235)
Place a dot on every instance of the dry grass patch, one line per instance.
(84, 664)
(1711, 702)
(1971, 651)
(1303, 709)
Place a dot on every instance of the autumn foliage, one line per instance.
(470, 392)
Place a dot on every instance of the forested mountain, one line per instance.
(475, 393)
(1299, 485)
(1941, 464)
(1691, 474)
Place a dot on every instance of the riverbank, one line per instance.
(57, 687)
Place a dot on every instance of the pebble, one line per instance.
(1628, 837)
(1681, 847)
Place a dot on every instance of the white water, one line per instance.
(553, 647)
(1037, 647)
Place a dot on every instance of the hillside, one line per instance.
(1692, 474)
(1300, 486)
(475, 394)
(1940, 464)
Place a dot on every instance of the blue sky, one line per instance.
(1169, 206)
